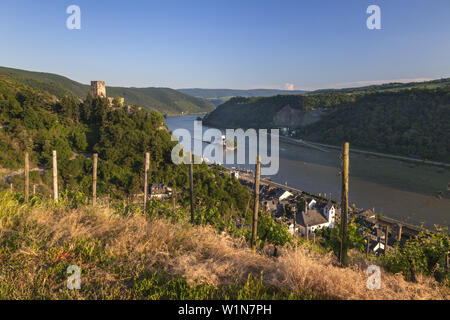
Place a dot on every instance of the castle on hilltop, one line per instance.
(98, 89)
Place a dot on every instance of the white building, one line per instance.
(282, 195)
(316, 217)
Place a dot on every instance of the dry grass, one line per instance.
(113, 250)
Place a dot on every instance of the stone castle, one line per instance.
(98, 89)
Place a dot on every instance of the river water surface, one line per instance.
(397, 189)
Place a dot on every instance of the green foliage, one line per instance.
(157, 286)
(215, 189)
(73, 199)
(272, 232)
(331, 239)
(425, 253)
(78, 139)
(410, 122)
(393, 86)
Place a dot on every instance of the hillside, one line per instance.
(219, 96)
(166, 101)
(267, 112)
(414, 122)
(152, 256)
(32, 121)
(411, 122)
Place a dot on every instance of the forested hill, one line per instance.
(33, 121)
(413, 122)
(393, 86)
(165, 100)
(267, 112)
(219, 96)
(408, 122)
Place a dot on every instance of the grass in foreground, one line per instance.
(137, 257)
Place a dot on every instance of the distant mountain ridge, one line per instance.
(165, 100)
(391, 86)
(219, 96)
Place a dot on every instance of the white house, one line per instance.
(330, 212)
(316, 217)
(282, 194)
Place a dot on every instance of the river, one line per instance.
(397, 189)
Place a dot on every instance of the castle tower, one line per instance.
(98, 89)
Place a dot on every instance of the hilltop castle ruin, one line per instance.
(98, 89)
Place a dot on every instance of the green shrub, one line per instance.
(424, 254)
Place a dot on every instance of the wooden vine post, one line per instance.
(94, 179)
(55, 177)
(256, 204)
(27, 177)
(344, 204)
(174, 199)
(386, 236)
(147, 168)
(399, 232)
(368, 244)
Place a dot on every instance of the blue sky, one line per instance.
(229, 44)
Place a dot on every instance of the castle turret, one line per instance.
(98, 89)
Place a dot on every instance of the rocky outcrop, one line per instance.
(288, 116)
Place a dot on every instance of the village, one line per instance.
(305, 214)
